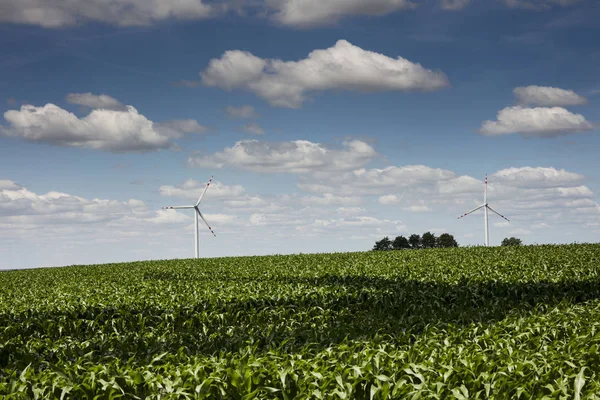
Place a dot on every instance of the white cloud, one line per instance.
(538, 122)
(341, 67)
(254, 129)
(537, 177)
(355, 224)
(460, 185)
(519, 231)
(389, 199)
(6, 184)
(233, 70)
(413, 206)
(18, 204)
(402, 176)
(109, 130)
(247, 202)
(454, 4)
(191, 189)
(221, 219)
(169, 217)
(90, 100)
(307, 13)
(177, 128)
(541, 225)
(539, 4)
(89, 230)
(502, 224)
(558, 202)
(263, 219)
(60, 13)
(350, 210)
(298, 156)
(548, 96)
(329, 199)
(247, 112)
(377, 181)
(515, 192)
(417, 208)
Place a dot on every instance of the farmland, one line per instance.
(447, 323)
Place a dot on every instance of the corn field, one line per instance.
(466, 323)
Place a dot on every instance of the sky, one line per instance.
(327, 125)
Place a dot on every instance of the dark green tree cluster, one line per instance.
(512, 241)
(427, 241)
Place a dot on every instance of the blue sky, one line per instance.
(388, 146)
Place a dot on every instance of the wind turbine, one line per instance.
(485, 207)
(196, 214)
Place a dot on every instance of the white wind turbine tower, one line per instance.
(196, 214)
(485, 207)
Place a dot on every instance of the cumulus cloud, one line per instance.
(168, 217)
(341, 67)
(177, 128)
(389, 200)
(90, 100)
(419, 188)
(307, 13)
(61, 13)
(271, 219)
(535, 122)
(27, 209)
(354, 224)
(350, 210)
(376, 180)
(413, 205)
(102, 129)
(300, 156)
(548, 96)
(539, 4)
(537, 177)
(254, 129)
(418, 208)
(246, 202)
(454, 4)
(520, 231)
(329, 199)
(247, 112)
(6, 184)
(191, 189)
(19, 204)
(516, 192)
(90, 230)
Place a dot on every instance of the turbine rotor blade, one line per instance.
(204, 192)
(472, 211)
(203, 219)
(177, 207)
(497, 213)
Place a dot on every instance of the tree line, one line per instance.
(414, 241)
(428, 241)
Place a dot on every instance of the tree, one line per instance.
(446, 240)
(383, 245)
(400, 243)
(513, 241)
(415, 241)
(428, 240)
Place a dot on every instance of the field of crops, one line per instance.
(498, 323)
